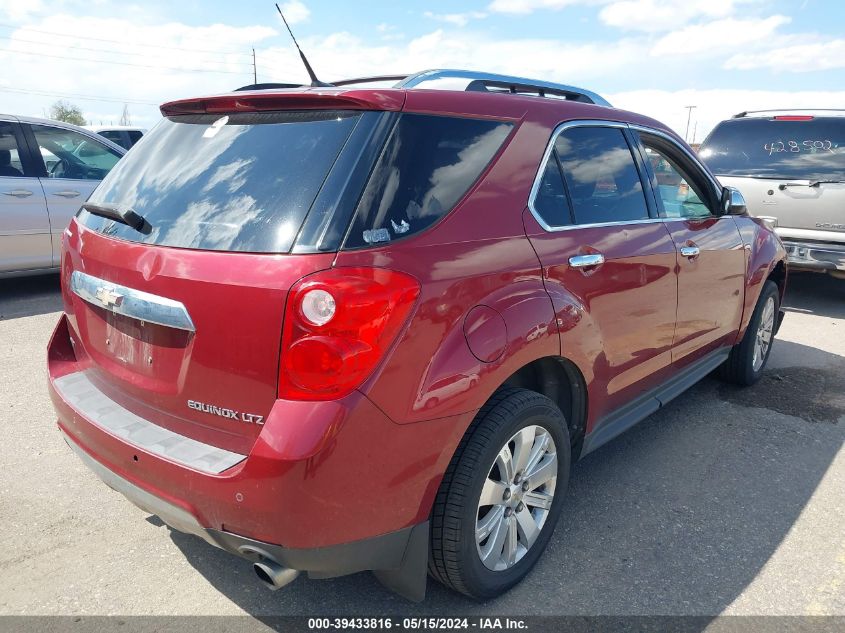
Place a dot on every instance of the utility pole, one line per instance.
(689, 108)
(254, 69)
(694, 132)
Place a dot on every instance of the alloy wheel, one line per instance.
(765, 332)
(516, 498)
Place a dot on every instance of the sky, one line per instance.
(650, 56)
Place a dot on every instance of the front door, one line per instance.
(73, 166)
(711, 255)
(25, 242)
(608, 262)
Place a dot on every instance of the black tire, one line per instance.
(454, 558)
(739, 367)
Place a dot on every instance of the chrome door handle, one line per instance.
(690, 251)
(585, 261)
(66, 194)
(18, 193)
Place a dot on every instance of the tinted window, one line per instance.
(69, 154)
(10, 160)
(428, 164)
(766, 148)
(550, 201)
(677, 194)
(602, 178)
(114, 136)
(134, 136)
(242, 182)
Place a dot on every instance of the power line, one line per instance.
(72, 95)
(83, 48)
(106, 61)
(100, 39)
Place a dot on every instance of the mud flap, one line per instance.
(409, 581)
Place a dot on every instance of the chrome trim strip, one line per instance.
(93, 405)
(130, 302)
(413, 81)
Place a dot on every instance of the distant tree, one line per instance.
(67, 112)
(125, 118)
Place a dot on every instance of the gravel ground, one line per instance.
(726, 502)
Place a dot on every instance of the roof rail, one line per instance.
(483, 82)
(478, 82)
(745, 113)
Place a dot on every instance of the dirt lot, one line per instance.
(728, 501)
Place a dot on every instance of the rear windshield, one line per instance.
(242, 182)
(811, 149)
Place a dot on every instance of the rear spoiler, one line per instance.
(390, 100)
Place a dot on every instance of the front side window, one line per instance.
(601, 175)
(677, 194)
(10, 160)
(69, 154)
(428, 164)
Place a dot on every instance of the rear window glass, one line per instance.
(601, 175)
(242, 182)
(766, 148)
(427, 166)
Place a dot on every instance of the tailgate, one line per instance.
(189, 340)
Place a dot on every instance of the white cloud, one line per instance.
(797, 58)
(295, 11)
(458, 19)
(662, 15)
(529, 6)
(18, 10)
(718, 37)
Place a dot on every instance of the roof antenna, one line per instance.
(315, 83)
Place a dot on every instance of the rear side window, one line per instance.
(811, 148)
(550, 201)
(601, 175)
(134, 136)
(240, 182)
(10, 160)
(114, 136)
(428, 164)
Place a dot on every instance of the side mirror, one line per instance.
(733, 203)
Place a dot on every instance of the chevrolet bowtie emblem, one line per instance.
(108, 297)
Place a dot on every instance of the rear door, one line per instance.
(711, 255)
(789, 167)
(72, 165)
(25, 241)
(609, 263)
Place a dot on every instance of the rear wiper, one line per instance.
(812, 183)
(119, 212)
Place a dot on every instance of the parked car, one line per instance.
(790, 166)
(47, 169)
(124, 135)
(385, 354)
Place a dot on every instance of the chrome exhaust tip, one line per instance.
(273, 575)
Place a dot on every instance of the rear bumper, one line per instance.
(818, 256)
(384, 552)
(329, 488)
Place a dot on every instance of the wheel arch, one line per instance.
(559, 379)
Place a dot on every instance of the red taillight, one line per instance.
(350, 317)
(793, 117)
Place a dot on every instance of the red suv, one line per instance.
(339, 329)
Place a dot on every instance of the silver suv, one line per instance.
(790, 167)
